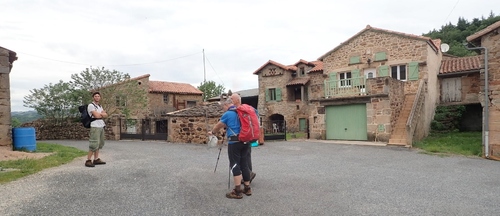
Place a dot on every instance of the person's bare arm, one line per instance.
(99, 115)
(217, 127)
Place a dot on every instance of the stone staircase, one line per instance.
(399, 134)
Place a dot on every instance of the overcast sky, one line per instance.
(56, 38)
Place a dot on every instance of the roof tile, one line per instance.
(172, 87)
(298, 81)
(461, 64)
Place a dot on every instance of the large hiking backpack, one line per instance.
(249, 121)
(85, 118)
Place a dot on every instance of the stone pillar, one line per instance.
(7, 57)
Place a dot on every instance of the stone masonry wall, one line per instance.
(492, 42)
(382, 111)
(5, 116)
(291, 110)
(70, 130)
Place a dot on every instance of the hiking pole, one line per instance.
(220, 149)
(218, 156)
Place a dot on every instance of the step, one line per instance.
(401, 142)
(398, 136)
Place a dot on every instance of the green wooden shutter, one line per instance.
(383, 70)
(413, 71)
(278, 94)
(267, 94)
(355, 77)
(380, 56)
(333, 80)
(354, 60)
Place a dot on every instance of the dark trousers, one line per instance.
(238, 159)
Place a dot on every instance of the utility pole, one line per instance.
(204, 76)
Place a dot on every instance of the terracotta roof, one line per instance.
(484, 31)
(284, 67)
(172, 87)
(318, 67)
(461, 64)
(298, 81)
(369, 28)
(210, 109)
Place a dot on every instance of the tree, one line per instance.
(15, 122)
(210, 89)
(119, 93)
(54, 101)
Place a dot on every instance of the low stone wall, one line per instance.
(67, 130)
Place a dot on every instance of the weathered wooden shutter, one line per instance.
(278, 94)
(413, 71)
(383, 70)
(355, 77)
(380, 56)
(267, 94)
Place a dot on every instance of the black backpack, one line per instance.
(85, 118)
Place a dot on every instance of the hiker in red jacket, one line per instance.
(236, 98)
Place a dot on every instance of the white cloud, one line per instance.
(54, 39)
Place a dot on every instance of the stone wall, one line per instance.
(70, 129)
(384, 107)
(290, 109)
(6, 59)
(191, 125)
(492, 42)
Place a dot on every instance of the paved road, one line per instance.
(293, 178)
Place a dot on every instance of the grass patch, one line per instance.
(23, 167)
(458, 143)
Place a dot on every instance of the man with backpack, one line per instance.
(237, 150)
(96, 138)
(237, 102)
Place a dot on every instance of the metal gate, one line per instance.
(144, 129)
(274, 129)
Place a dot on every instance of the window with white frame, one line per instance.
(272, 94)
(345, 79)
(398, 72)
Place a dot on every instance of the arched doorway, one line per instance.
(275, 127)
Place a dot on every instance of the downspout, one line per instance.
(486, 102)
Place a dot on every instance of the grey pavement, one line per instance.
(293, 178)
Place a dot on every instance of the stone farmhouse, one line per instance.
(7, 58)
(379, 85)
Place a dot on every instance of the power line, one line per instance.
(451, 11)
(214, 70)
(135, 64)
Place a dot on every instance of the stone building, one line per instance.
(378, 85)
(487, 41)
(191, 125)
(7, 58)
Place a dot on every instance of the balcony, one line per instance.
(346, 87)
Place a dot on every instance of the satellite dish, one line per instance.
(445, 47)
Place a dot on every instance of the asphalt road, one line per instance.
(293, 178)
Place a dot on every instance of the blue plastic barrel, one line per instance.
(24, 138)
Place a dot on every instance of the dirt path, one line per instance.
(6, 153)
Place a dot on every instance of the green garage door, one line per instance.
(346, 122)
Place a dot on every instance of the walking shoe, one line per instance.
(252, 176)
(99, 161)
(235, 193)
(247, 190)
(89, 163)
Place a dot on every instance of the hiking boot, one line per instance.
(89, 163)
(247, 190)
(252, 176)
(235, 193)
(99, 162)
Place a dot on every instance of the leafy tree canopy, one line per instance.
(210, 89)
(455, 35)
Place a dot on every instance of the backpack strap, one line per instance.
(96, 107)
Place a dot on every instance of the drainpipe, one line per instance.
(486, 102)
